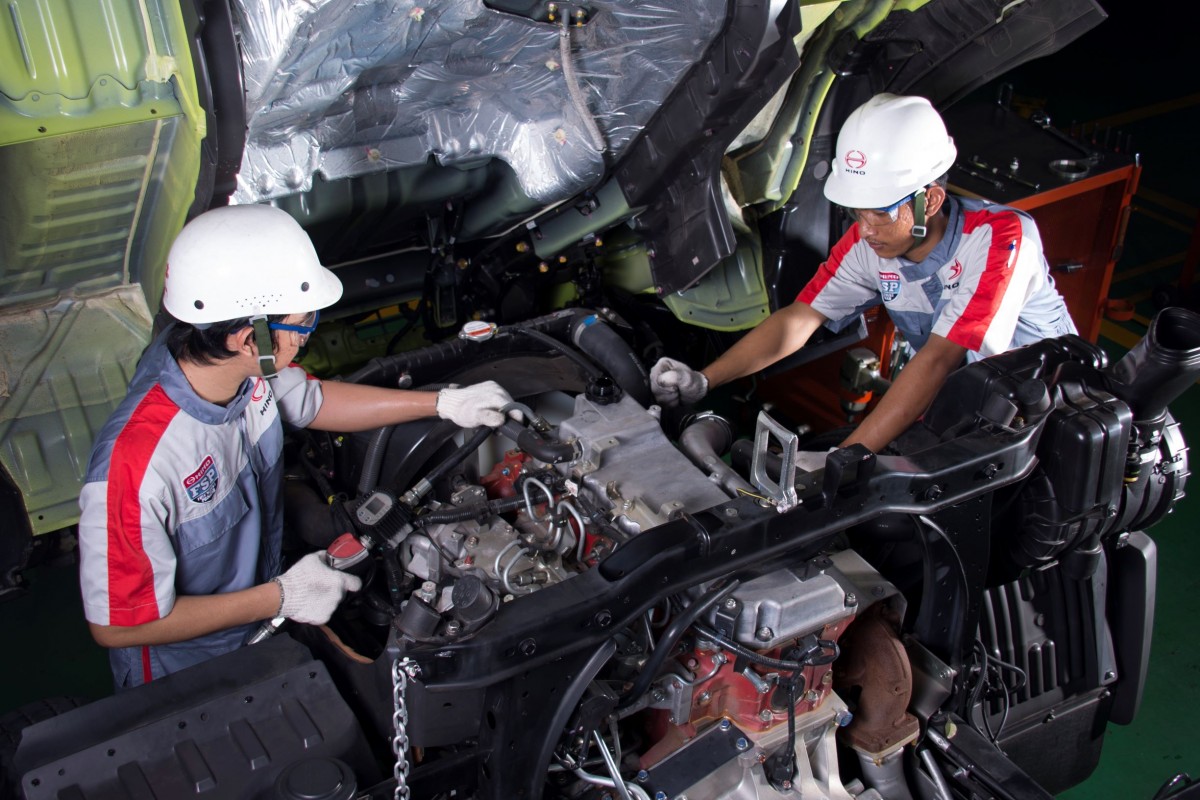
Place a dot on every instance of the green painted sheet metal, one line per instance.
(731, 297)
(63, 368)
(771, 170)
(100, 133)
(71, 65)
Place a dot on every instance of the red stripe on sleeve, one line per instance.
(829, 268)
(972, 325)
(131, 599)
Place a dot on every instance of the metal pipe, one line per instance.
(618, 781)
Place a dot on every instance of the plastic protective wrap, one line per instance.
(349, 87)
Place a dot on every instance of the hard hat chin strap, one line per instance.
(919, 229)
(265, 345)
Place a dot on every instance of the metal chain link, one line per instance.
(402, 670)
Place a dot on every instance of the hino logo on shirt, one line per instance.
(956, 271)
(201, 485)
(889, 286)
(257, 394)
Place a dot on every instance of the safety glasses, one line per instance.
(879, 217)
(304, 328)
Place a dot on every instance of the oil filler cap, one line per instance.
(477, 331)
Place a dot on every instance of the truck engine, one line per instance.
(606, 599)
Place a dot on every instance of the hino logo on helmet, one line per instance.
(855, 161)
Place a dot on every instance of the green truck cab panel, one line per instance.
(100, 133)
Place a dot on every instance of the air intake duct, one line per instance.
(1159, 368)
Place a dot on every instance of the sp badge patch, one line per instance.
(201, 485)
(889, 286)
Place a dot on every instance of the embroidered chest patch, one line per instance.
(201, 485)
(889, 286)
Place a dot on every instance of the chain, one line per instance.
(402, 670)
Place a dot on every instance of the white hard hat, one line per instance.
(241, 261)
(889, 147)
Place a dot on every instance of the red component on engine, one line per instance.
(730, 694)
(500, 482)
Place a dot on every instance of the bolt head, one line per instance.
(742, 744)
(764, 634)
(731, 603)
(725, 725)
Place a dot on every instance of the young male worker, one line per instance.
(182, 522)
(959, 278)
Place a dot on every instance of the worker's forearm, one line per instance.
(354, 407)
(911, 393)
(779, 335)
(195, 616)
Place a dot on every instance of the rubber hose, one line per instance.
(596, 338)
(461, 513)
(373, 459)
(439, 359)
(473, 442)
(538, 446)
(425, 484)
(705, 440)
(570, 352)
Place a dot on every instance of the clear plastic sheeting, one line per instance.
(350, 87)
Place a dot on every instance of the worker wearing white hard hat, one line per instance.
(181, 511)
(961, 279)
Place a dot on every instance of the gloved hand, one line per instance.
(312, 589)
(674, 382)
(474, 405)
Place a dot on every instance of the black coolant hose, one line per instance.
(670, 638)
(422, 487)
(584, 329)
(373, 459)
(594, 337)
(562, 347)
(433, 363)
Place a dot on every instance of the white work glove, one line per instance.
(312, 589)
(674, 382)
(474, 405)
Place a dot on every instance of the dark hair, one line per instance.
(207, 345)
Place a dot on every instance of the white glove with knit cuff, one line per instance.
(674, 382)
(311, 590)
(474, 405)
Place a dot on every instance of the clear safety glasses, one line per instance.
(305, 327)
(878, 217)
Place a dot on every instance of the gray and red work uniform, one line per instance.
(986, 285)
(183, 497)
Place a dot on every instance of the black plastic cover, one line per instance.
(198, 732)
(674, 166)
